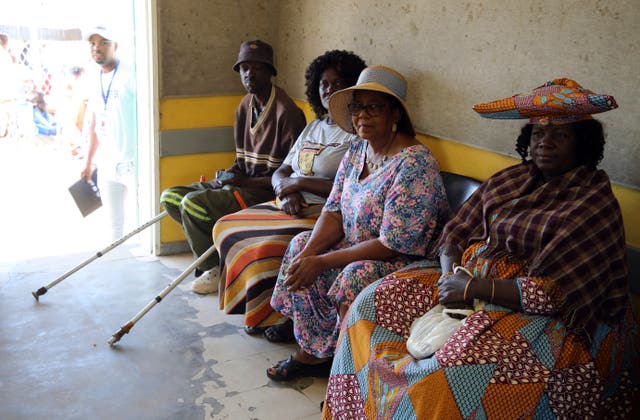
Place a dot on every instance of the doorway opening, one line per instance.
(46, 63)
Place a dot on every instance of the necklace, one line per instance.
(374, 165)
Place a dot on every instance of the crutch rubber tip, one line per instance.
(41, 291)
(122, 331)
(116, 337)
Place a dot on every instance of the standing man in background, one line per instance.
(267, 123)
(112, 131)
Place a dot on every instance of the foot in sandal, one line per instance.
(289, 369)
(281, 333)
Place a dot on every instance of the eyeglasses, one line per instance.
(372, 110)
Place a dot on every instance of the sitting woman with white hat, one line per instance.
(386, 209)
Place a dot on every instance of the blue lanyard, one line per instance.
(105, 98)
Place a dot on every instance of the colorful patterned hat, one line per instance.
(559, 101)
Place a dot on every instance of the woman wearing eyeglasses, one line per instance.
(386, 208)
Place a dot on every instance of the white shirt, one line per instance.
(317, 153)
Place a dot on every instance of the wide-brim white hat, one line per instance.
(374, 78)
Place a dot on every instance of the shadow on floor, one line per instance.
(183, 360)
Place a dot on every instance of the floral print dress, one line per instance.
(403, 204)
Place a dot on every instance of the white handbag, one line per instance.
(429, 332)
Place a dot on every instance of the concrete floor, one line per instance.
(184, 359)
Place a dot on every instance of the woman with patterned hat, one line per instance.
(385, 210)
(539, 250)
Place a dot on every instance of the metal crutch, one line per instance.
(41, 291)
(127, 327)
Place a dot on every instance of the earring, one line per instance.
(394, 127)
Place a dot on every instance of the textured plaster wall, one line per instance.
(198, 42)
(454, 54)
(458, 53)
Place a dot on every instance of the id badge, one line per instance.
(102, 124)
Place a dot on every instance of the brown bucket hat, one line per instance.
(255, 50)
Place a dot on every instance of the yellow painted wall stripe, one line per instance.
(202, 112)
(206, 112)
(198, 112)
(481, 164)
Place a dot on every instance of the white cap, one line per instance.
(101, 30)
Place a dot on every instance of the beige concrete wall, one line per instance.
(198, 43)
(454, 54)
(458, 53)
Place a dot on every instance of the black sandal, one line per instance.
(254, 330)
(287, 370)
(281, 333)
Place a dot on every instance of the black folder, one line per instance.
(86, 194)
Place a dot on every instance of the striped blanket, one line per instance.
(251, 244)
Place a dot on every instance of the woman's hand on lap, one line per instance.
(293, 204)
(303, 272)
(451, 288)
(285, 187)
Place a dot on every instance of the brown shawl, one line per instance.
(569, 229)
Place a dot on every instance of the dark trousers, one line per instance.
(198, 207)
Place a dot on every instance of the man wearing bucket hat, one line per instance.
(385, 210)
(542, 244)
(112, 134)
(267, 123)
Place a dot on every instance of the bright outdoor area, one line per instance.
(44, 66)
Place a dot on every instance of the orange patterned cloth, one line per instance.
(523, 220)
(499, 364)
